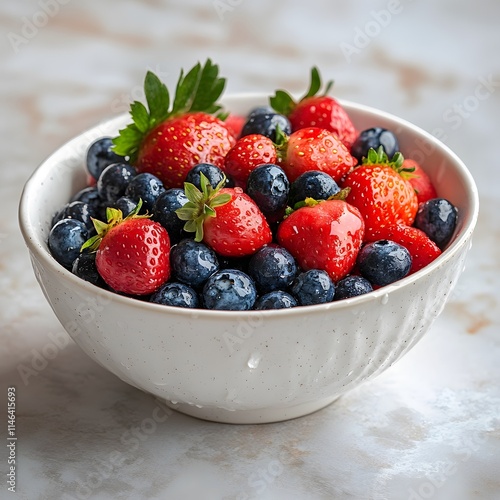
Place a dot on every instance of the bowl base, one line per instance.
(257, 416)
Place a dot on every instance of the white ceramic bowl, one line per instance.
(258, 366)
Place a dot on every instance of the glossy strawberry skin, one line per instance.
(420, 181)
(324, 112)
(172, 148)
(382, 196)
(248, 153)
(239, 227)
(315, 148)
(133, 257)
(422, 249)
(326, 236)
(235, 124)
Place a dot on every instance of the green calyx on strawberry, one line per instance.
(379, 157)
(201, 205)
(169, 136)
(132, 253)
(284, 103)
(226, 219)
(381, 191)
(114, 217)
(311, 202)
(316, 109)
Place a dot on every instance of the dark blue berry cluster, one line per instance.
(268, 279)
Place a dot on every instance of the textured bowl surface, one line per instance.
(251, 367)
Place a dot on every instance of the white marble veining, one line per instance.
(429, 427)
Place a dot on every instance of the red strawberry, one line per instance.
(315, 148)
(249, 152)
(235, 124)
(226, 219)
(422, 249)
(325, 235)
(381, 193)
(168, 141)
(420, 181)
(315, 110)
(132, 253)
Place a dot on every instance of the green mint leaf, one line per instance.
(140, 116)
(157, 97)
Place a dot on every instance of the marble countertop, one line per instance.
(429, 427)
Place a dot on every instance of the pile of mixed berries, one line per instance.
(288, 206)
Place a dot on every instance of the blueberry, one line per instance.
(100, 155)
(231, 290)
(125, 204)
(278, 299)
(313, 287)
(77, 210)
(175, 294)
(373, 138)
(383, 262)
(164, 212)
(85, 268)
(66, 239)
(213, 173)
(437, 218)
(114, 180)
(90, 196)
(192, 262)
(272, 268)
(312, 184)
(260, 110)
(266, 124)
(146, 187)
(268, 186)
(352, 286)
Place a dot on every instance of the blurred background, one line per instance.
(68, 64)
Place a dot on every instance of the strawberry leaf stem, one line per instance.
(197, 91)
(201, 205)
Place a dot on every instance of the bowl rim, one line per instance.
(40, 250)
